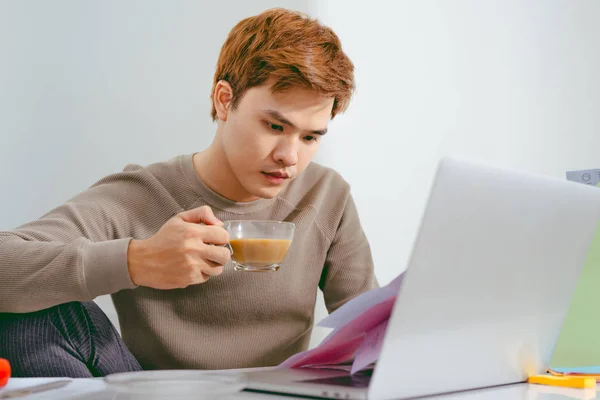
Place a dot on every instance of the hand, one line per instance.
(183, 252)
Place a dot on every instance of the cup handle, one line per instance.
(229, 247)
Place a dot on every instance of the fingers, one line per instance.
(200, 273)
(197, 251)
(216, 254)
(210, 259)
(203, 242)
(214, 270)
(200, 215)
(208, 234)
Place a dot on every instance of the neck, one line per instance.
(214, 171)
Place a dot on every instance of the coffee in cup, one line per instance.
(259, 245)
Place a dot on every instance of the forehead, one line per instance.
(293, 103)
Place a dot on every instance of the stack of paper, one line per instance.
(359, 327)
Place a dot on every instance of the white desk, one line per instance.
(95, 389)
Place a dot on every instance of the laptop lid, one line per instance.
(492, 272)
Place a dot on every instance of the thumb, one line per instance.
(200, 215)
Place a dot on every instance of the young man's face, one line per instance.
(269, 139)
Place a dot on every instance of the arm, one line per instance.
(78, 251)
(348, 268)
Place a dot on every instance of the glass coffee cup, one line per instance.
(259, 245)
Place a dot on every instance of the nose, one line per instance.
(286, 152)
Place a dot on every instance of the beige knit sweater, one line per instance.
(239, 319)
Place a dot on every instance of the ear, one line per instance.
(222, 99)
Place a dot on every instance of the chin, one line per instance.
(267, 193)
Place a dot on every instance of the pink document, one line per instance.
(359, 329)
(333, 352)
(366, 321)
(342, 344)
(370, 348)
(360, 304)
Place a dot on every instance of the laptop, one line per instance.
(488, 285)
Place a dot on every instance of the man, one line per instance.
(151, 236)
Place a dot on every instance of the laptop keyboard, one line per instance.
(359, 380)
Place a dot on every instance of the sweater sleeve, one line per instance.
(78, 251)
(348, 268)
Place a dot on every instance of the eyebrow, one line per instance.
(280, 118)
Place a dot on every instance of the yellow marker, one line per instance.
(579, 382)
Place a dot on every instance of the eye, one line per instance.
(274, 127)
(310, 138)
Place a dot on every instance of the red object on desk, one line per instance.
(4, 371)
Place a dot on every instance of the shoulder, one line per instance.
(162, 171)
(149, 176)
(159, 180)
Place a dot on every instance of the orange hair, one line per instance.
(292, 49)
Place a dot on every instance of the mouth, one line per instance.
(276, 178)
